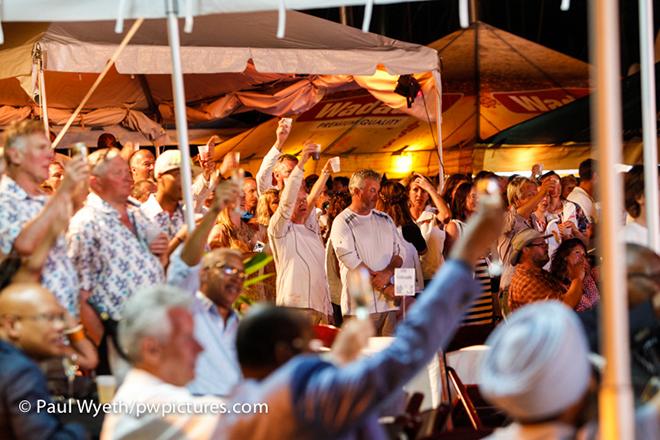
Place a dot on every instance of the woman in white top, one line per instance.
(430, 221)
(636, 231)
(479, 319)
(393, 200)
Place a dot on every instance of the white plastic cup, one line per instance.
(106, 385)
(334, 164)
(152, 232)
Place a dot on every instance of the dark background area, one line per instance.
(540, 21)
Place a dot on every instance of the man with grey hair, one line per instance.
(113, 247)
(157, 335)
(26, 213)
(364, 237)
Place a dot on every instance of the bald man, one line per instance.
(142, 165)
(31, 330)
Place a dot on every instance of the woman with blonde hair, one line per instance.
(267, 205)
(230, 232)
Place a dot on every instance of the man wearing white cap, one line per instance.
(530, 282)
(538, 372)
(165, 207)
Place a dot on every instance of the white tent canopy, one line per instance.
(94, 10)
(224, 67)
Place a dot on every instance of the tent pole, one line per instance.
(105, 71)
(438, 126)
(180, 111)
(615, 394)
(43, 103)
(649, 118)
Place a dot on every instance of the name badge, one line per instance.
(404, 282)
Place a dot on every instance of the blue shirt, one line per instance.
(22, 380)
(217, 371)
(310, 399)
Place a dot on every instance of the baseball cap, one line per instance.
(169, 160)
(522, 239)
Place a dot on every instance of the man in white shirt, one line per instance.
(363, 236)
(298, 251)
(636, 230)
(165, 207)
(276, 166)
(157, 334)
(584, 193)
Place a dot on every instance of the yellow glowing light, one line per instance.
(402, 163)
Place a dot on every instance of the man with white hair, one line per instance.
(165, 207)
(157, 335)
(364, 237)
(298, 251)
(114, 248)
(26, 213)
(537, 371)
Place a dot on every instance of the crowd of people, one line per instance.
(99, 266)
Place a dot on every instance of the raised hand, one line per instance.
(283, 130)
(76, 174)
(226, 193)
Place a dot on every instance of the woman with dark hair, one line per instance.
(393, 200)
(337, 202)
(430, 220)
(636, 229)
(452, 182)
(464, 204)
(479, 320)
(573, 250)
